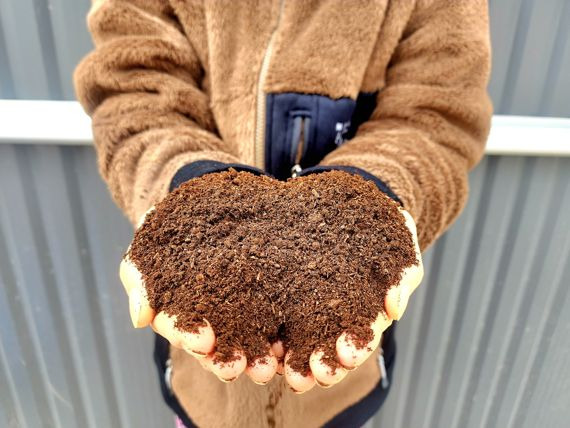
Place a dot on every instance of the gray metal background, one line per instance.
(486, 341)
(41, 41)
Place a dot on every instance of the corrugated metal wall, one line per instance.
(68, 356)
(41, 41)
(485, 341)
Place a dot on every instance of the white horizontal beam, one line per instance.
(65, 122)
(44, 122)
(529, 136)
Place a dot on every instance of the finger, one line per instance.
(199, 343)
(413, 275)
(279, 351)
(163, 324)
(130, 275)
(262, 369)
(229, 371)
(410, 223)
(139, 308)
(396, 301)
(325, 375)
(206, 362)
(144, 216)
(397, 297)
(299, 383)
(352, 354)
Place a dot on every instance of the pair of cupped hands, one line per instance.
(202, 344)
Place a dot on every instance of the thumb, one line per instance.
(139, 307)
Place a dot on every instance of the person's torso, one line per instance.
(289, 81)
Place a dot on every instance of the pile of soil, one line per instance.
(262, 260)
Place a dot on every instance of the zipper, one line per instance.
(298, 143)
(259, 143)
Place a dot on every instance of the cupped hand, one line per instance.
(349, 355)
(202, 343)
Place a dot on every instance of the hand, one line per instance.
(201, 344)
(348, 354)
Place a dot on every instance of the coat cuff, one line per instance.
(202, 167)
(357, 171)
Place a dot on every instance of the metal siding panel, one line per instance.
(22, 287)
(24, 50)
(6, 79)
(484, 342)
(43, 40)
(501, 319)
(130, 352)
(70, 38)
(554, 80)
(531, 69)
(69, 356)
(55, 206)
(462, 382)
(489, 311)
(542, 316)
(558, 87)
(503, 21)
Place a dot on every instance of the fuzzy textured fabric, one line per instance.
(175, 81)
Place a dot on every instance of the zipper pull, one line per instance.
(382, 364)
(301, 125)
(296, 170)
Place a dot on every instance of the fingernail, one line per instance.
(323, 385)
(403, 300)
(196, 354)
(227, 380)
(261, 383)
(135, 305)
